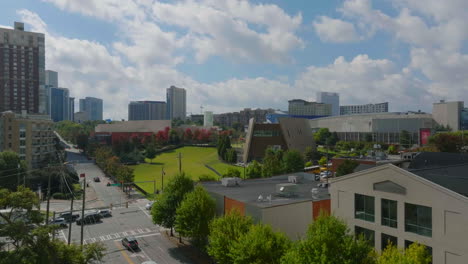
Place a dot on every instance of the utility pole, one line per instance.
(82, 210)
(48, 200)
(53, 233)
(71, 219)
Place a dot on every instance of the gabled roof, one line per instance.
(426, 160)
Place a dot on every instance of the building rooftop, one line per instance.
(134, 126)
(248, 191)
(452, 177)
(425, 160)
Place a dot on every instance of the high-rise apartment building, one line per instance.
(364, 109)
(449, 114)
(176, 99)
(31, 136)
(71, 108)
(60, 104)
(22, 71)
(51, 78)
(92, 107)
(330, 98)
(146, 110)
(302, 107)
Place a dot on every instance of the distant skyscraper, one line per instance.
(60, 104)
(147, 110)
(176, 103)
(92, 107)
(51, 78)
(22, 71)
(330, 98)
(71, 109)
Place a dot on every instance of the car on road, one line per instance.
(105, 213)
(89, 218)
(130, 243)
(59, 221)
(97, 179)
(149, 205)
(69, 217)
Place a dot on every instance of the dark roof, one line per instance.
(437, 159)
(452, 177)
(249, 190)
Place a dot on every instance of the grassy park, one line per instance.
(193, 164)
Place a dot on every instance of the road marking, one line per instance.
(144, 211)
(148, 235)
(102, 238)
(63, 236)
(124, 253)
(140, 230)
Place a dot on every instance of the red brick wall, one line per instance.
(318, 206)
(230, 204)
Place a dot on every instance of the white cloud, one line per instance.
(335, 30)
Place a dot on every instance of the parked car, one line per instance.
(130, 243)
(59, 221)
(97, 179)
(149, 205)
(105, 213)
(89, 218)
(69, 217)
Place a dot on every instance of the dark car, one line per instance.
(90, 218)
(69, 217)
(97, 179)
(105, 213)
(130, 243)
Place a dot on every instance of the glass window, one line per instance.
(364, 207)
(368, 234)
(418, 219)
(389, 213)
(387, 240)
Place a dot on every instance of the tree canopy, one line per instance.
(11, 169)
(272, 162)
(321, 136)
(347, 167)
(254, 170)
(293, 161)
(415, 253)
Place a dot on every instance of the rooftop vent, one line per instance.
(230, 181)
(286, 189)
(295, 179)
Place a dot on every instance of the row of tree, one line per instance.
(225, 151)
(111, 165)
(276, 162)
(26, 240)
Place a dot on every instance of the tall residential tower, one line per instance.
(330, 98)
(176, 103)
(92, 107)
(146, 110)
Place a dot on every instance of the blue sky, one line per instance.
(231, 54)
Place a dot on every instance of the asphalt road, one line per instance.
(134, 221)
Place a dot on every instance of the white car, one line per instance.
(59, 221)
(149, 205)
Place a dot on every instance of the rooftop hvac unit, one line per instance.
(230, 182)
(295, 179)
(286, 189)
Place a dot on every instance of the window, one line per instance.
(418, 219)
(387, 240)
(364, 207)
(389, 213)
(368, 234)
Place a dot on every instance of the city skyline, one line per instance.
(367, 51)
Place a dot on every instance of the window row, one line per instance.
(418, 218)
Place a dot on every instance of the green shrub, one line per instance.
(206, 177)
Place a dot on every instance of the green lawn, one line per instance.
(193, 164)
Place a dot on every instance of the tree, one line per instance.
(415, 253)
(150, 152)
(188, 135)
(405, 139)
(321, 136)
(124, 174)
(347, 167)
(368, 137)
(82, 141)
(231, 155)
(272, 164)
(11, 169)
(224, 232)
(194, 215)
(232, 173)
(332, 139)
(323, 161)
(328, 240)
(254, 170)
(173, 137)
(259, 245)
(164, 211)
(392, 150)
(447, 142)
(293, 161)
(31, 242)
(310, 154)
(237, 126)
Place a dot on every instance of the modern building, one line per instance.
(364, 109)
(51, 78)
(208, 119)
(92, 107)
(197, 118)
(290, 133)
(302, 107)
(425, 204)
(22, 71)
(80, 117)
(176, 99)
(127, 129)
(330, 98)
(60, 104)
(289, 203)
(274, 117)
(379, 127)
(464, 119)
(71, 108)
(31, 136)
(146, 110)
(448, 114)
(242, 117)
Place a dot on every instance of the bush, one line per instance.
(206, 177)
(309, 164)
(59, 196)
(232, 173)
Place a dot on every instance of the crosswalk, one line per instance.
(135, 232)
